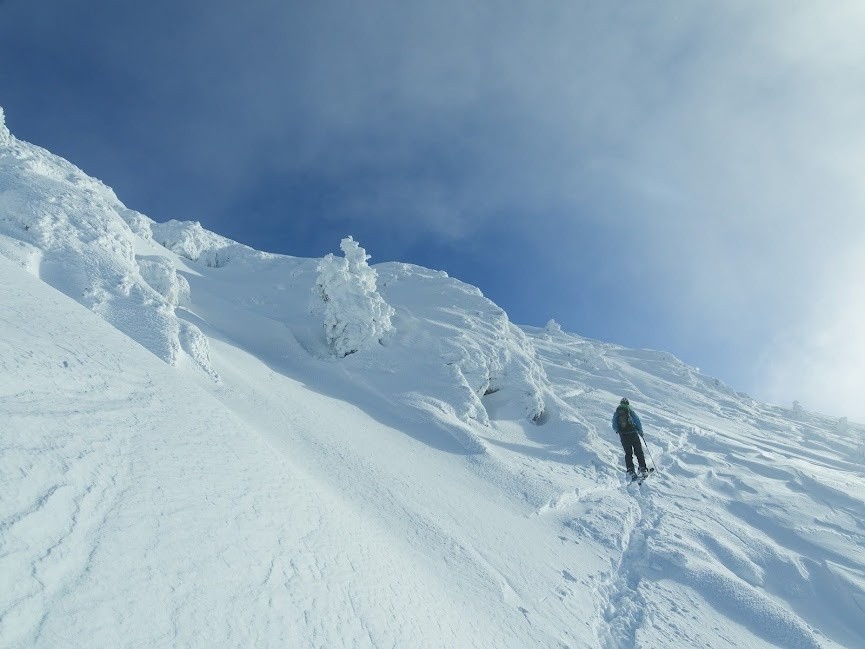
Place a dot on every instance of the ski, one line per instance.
(639, 479)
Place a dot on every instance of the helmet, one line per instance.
(624, 401)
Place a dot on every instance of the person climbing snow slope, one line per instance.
(627, 424)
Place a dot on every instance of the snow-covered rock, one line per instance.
(82, 245)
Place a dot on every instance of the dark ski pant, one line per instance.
(631, 444)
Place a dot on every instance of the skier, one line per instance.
(627, 424)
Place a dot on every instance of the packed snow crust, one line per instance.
(189, 460)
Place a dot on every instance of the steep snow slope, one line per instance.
(751, 533)
(457, 486)
(139, 511)
(77, 236)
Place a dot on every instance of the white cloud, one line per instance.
(725, 138)
(738, 165)
(820, 361)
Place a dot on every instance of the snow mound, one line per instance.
(463, 341)
(188, 239)
(76, 234)
(162, 276)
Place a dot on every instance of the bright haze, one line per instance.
(680, 177)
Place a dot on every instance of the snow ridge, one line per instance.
(72, 231)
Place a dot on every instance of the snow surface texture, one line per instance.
(456, 485)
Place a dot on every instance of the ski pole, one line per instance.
(655, 466)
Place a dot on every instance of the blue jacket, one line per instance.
(634, 417)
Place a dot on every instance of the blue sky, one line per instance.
(681, 176)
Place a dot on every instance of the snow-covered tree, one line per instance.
(355, 315)
(553, 328)
(5, 136)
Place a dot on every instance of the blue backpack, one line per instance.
(624, 423)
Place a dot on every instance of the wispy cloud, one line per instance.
(723, 142)
(818, 359)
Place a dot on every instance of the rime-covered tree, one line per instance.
(355, 315)
(553, 328)
(5, 137)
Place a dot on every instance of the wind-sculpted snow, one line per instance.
(446, 321)
(750, 533)
(161, 275)
(447, 347)
(144, 513)
(456, 485)
(73, 229)
(188, 239)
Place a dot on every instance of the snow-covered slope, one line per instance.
(78, 237)
(184, 462)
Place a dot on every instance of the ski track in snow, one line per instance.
(666, 527)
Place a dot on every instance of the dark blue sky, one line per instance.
(619, 169)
